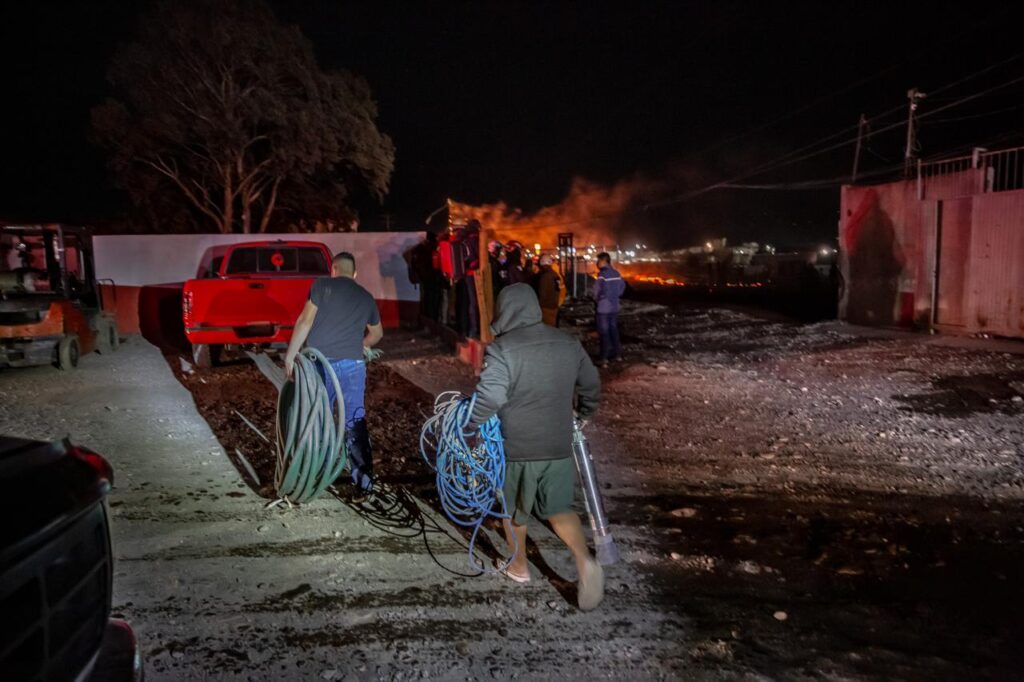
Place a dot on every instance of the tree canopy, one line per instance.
(218, 106)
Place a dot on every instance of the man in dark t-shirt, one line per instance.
(341, 320)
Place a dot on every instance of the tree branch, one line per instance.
(170, 170)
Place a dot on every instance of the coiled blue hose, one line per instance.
(311, 448)
(469, 477)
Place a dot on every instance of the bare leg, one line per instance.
(590, 589)
(567, 526)
(517, 544)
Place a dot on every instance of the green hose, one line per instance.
(310, 435)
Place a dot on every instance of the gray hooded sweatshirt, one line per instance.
(531, 374)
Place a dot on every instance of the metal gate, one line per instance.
(979, 263)
(953, 245)
(997, 264)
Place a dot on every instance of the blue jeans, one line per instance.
(608, 329)
(352, 379)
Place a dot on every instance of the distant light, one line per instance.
(708, 245)
(536, 247)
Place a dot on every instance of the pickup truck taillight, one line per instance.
(186, 308)
(97, 462)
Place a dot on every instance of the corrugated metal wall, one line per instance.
(929, 256)
(995, 299)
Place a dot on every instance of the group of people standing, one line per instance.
(446, 268)
(510, 265)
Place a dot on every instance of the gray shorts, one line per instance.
(543, 487)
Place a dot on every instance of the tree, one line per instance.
(225, 106)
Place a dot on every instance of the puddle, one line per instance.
(964, 395)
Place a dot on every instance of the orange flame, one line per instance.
(592, 212)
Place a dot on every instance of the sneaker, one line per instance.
(590, 588)
(499, 565)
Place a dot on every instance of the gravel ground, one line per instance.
(791, 501)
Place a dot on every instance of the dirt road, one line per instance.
(792, 502)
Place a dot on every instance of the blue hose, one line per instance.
(469, 477)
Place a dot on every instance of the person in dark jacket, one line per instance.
(423, 271)
(609, 288)
(514, 264)
(531, 374)
(499, 273)
(548, 286)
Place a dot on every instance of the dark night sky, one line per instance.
(509, 101)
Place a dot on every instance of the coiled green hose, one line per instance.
(311, 449)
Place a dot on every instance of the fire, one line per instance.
(592, 212)
(660, 281)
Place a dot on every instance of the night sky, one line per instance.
(509, 101)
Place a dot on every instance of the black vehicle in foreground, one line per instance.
(56, 568)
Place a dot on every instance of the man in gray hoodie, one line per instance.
(532, 375)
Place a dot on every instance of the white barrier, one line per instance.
(137, 262)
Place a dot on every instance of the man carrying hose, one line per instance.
(340, 319)
(532, 373)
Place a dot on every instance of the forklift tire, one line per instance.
(68, 352)
(107, 338)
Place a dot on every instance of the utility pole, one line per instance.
(861, 125)
(913, 97)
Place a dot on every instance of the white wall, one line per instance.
(141, 260)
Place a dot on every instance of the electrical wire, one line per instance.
(780, 163)
(469, 466)
(827, 183)
(797, 155)
(823, 98)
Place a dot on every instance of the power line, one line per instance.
(826, 183)
(859, 82)
(786, 160)
(975, 116)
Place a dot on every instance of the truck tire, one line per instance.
(68, 352)
(206, 355)
(107, 337)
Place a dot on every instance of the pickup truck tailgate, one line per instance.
(244, 303)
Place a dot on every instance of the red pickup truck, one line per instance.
(253, 294)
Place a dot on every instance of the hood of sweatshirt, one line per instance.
(517, 307)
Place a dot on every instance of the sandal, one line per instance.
(499, 565)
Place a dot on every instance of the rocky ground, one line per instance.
(791, 502)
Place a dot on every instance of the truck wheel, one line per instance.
(201, 355)
(68, 352)
(206, 355)
(107, 338)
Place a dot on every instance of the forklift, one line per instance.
(51, 305)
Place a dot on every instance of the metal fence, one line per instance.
(1002, 171)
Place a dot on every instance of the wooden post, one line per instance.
(485, 288)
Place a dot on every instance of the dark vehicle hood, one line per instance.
(45, 486)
